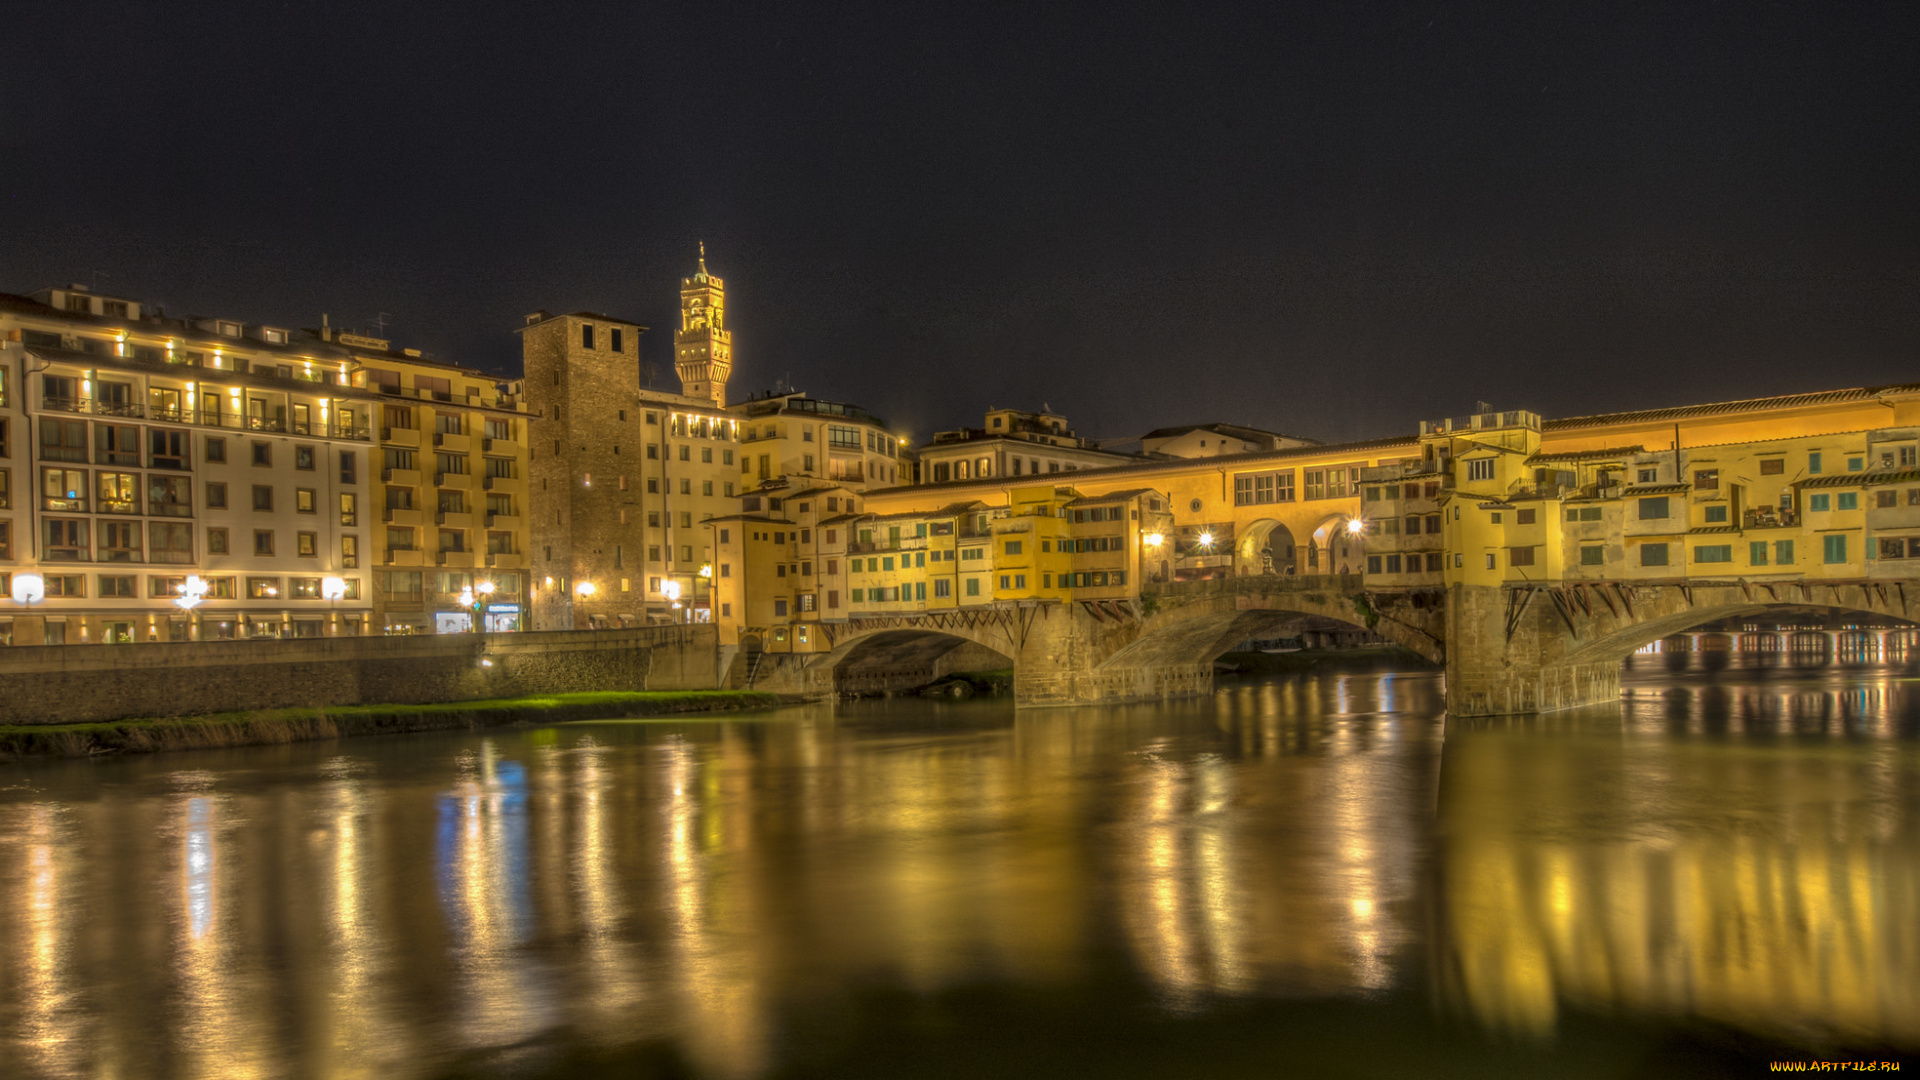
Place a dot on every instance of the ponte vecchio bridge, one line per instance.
(1528, 556)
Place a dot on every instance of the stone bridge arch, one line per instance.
(888, 654)
(1521, 649)
(1164, 646)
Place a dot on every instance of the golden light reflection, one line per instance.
(1756, 888)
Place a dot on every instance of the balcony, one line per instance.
(507, 560)
(458, 481)
(1766, 517)
(169, 509)
(453, 520)
(453, 443)
(406, 557)
(457, 559)
(397, 436)
(506, 521)
(498, 483)
(401, 477)
(405, 517)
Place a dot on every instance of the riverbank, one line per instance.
(265, 727)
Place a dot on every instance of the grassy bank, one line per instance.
(268, 726)
(1389, 658)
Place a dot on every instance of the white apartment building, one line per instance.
(137, 450)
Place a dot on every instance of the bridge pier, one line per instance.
(1510, 653)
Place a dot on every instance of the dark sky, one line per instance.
(1328, 218)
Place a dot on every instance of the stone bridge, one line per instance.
(1538, 648)
(1510, 649)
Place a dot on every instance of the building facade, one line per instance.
(626, 483)
(1011, 443)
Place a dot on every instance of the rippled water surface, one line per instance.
(1307, 876)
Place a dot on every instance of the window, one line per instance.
(215, 449)
(1480, 469)
(973, 586)
(63, 440)
(263, 588)
(1757, 553)
(1013, 547)
(1653, 509)
(119, 541)
(1772, 467)
(116, 445)
(306, 501)
(216, 496)
(306, 544)
(1855, 464)
(216, 541)
(1716, 515)
(1593, 555)
(1713, 553)
(263, 453)
(116, 586)
(1706, 479)
(349, 551)
(1520, 556)
(303, 458)
(1885, 498)
(1820, 503)
(586, 335)
(116, 493)
(1653, 554)
(63, 489)
(1648, 476)
(1834, 548)
(66, 585)
(1848, 500)
(263, 541)
(263, 497)
(1813, 462)
(1521, 517)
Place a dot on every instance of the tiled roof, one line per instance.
(1656, 489)
(1862, 479)
(1591, 455)
(1681, 412)
(1109, 497)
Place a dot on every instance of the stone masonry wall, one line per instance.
(77, 683)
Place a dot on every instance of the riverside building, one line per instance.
(138, 451)
(626, 482)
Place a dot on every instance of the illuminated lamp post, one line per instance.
(192, 591)
(333, 588)
(671, 590)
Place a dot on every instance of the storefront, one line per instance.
(503, 618)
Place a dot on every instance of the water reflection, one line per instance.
(1735, 848)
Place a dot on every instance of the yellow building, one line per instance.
(448, 502)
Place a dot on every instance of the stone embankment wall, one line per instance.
(62, 684)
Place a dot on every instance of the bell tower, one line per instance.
(703, 347)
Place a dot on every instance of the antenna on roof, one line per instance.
(380, 323)
(94, 286)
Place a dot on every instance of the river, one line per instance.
(1314, 876)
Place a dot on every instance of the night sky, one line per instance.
(1325, 219)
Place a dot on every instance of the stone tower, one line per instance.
(703, 347)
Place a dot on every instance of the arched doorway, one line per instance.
(1266, 547)
(1335, 548)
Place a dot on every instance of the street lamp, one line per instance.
(192, 591)
(585, 589)
(1205, 540)
(333, 588)
(671, 590)
(1154, 539)
(1356, 526)
(29, 589)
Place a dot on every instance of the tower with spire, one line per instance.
(703, 347)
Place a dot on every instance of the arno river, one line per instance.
(1313, 876)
